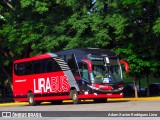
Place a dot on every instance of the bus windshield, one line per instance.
(106, 72)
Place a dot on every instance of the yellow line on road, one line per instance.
(134, 99)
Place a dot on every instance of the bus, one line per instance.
(97, 72)
(72, 74)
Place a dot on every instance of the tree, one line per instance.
(140, 48)
(130, 28)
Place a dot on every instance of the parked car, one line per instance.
(130, 92)
(154, 89)
(128, 89)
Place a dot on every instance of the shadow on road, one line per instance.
(82, 102)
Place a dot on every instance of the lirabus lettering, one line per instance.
(51, 84)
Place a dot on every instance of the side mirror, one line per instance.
(125, 64)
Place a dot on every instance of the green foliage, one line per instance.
(36, 5)
(130, 28)
(26, 3)
(156, 27)
(118, 24)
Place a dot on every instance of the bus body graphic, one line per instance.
(51, 84)
(72, 74)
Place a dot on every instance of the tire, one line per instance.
(31, 99)
(100, 100)
(74, 96)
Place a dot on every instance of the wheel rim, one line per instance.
(74, 96)
(30, 99)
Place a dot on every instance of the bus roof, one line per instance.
(38, 57)
(82, 52)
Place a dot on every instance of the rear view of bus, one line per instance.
(98, 73)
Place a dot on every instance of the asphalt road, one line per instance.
(90, 106)
(93, 110)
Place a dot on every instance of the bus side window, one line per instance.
(37, 67)
(49, 66)
(52, 66)
(56, 66)
(28, 68)
(72, 65)
(19, 69)
(85, 73)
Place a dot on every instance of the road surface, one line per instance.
(93, 110)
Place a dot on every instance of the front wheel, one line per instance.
(31, 99)
(74, 96)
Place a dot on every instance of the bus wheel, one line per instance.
(100, 100)
(31, 99)
(74, 96)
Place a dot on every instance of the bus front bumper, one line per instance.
(96, 95)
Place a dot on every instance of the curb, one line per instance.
(13, 103)
(109, 99)
(134, 99)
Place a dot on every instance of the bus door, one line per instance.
(73, 65)
(86, 76)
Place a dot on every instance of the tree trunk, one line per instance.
(148, 94)
(27, 51)
(135, 88)
(7, 74)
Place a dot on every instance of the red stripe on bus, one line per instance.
(39, 57)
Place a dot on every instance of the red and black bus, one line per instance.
(97, 72)
(72, 74)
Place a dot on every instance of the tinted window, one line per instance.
(23, 68)
(52, 66)
(28, 68)
(85, 73)
(19, 69)
(49, 65)
(71, 61)
(36, 67)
